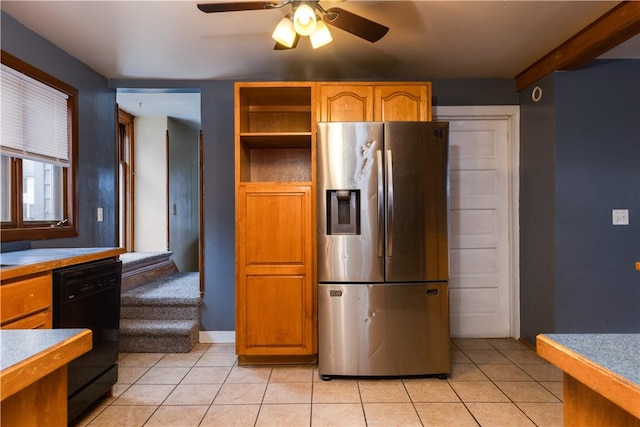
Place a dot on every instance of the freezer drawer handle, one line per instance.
(432, 292)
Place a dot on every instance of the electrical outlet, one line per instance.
(620, 216)
(99, 215)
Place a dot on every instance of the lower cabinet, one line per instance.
(275, 287)
(26, 302)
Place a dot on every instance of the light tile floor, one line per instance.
(494, 382)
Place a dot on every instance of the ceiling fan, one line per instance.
(304, 21)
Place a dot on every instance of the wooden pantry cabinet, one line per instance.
(275, 222)
(355, 102)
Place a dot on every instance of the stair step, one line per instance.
(161, 316)
(139, 268)
(160, 312)
(174, 289)
(158, 336)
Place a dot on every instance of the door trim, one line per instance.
(510, 113)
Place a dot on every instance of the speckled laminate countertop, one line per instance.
(28, 355)
(607, 364)
(619, 353)
(19, 345)
(20, 263)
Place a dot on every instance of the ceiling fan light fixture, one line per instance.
(284, 33)
(321, 36)
(304, 20)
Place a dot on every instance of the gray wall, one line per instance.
(216, 98)
(537, 212)
(183, 195)
(597, 170)
(96, 179)
(580, 158)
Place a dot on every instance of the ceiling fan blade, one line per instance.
(280, 46)
(354, 24)
(238, 6)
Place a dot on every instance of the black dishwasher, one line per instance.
(88, 296)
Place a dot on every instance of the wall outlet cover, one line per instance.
(620, 216)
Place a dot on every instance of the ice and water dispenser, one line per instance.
(343, 211)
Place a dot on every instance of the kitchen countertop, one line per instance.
(606, 363)
(618, 353)
(30, 261)
(28, 355)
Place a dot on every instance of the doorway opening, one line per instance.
(159, 152)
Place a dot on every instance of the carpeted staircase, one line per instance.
(162, 315)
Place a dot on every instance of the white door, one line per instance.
(483, 220)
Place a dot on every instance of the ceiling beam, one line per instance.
(614, 27)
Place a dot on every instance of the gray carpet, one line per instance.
(162, 315)
(177, 288)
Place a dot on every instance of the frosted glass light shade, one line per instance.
(304, 20)
(284, 32)
(321, 36)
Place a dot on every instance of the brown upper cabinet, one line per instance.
(354, 102)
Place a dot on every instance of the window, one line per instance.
(37, 148)
(125, 178)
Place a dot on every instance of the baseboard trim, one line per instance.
(309, 359)
(214, 337)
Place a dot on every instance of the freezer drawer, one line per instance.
(383, 329)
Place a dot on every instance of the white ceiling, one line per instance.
(426, 40)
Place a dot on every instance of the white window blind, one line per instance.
(35, 119)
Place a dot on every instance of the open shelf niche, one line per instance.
(275, 135)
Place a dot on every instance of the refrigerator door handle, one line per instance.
(389, 164)
(380, 203)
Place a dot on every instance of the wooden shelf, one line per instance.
(278, 165)
(292, 184)
(279, 108)
(276, 139)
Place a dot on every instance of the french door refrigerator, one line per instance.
(383, 266)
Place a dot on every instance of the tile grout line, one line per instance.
(512, 362)
(502, 351)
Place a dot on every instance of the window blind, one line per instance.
(35, 119)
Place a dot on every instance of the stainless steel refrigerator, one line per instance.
(383, 298)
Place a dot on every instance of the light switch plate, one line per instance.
(620, 216)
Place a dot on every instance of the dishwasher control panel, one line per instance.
(79, 281)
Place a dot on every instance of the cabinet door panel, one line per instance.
(42, 320)
(276, 315)
(275, 227)
(346, 103)
(25, 296)
(402, 103)
(274, 289)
